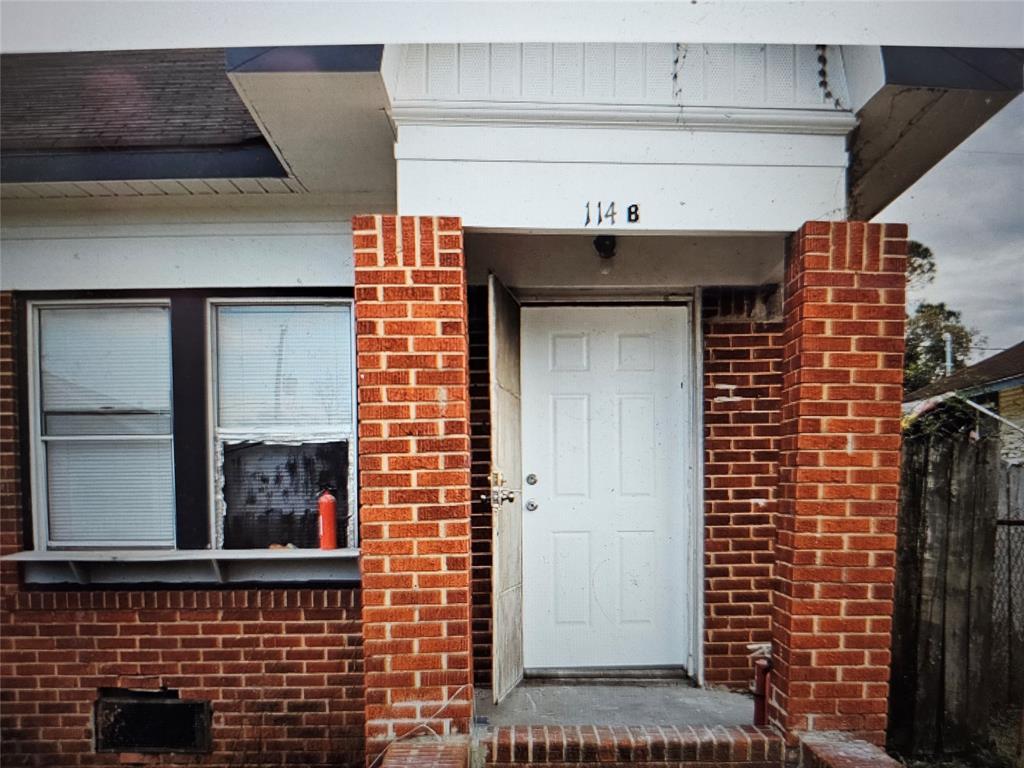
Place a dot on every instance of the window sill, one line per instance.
(224, 566)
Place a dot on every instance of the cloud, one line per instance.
(969, 209)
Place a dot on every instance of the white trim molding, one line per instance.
(536, 114)
(202, 566)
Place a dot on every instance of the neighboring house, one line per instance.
(996, 382)
(629, 298)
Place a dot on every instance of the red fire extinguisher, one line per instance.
(328, 505)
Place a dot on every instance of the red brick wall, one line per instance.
(839, 459)
(414, 467)
(282, 668)
(10, 468)
(742, 411)
(480, 455)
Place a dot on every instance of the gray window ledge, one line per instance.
(223, 566)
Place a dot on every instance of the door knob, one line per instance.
(500, 495)
(531, 505)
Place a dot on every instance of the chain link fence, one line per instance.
(1008, 593)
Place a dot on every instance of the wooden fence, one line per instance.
(943, 678)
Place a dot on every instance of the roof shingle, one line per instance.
(120, 100)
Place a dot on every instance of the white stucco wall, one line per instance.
(693, 137)
(113, 245)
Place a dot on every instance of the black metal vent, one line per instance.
(151, 722)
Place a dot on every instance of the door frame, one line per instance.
(693, 345)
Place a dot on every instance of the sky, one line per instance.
(969, 209)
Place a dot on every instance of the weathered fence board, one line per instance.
(940, 694)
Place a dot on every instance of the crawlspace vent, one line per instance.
(151, 721)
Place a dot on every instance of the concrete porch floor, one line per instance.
(667, 703)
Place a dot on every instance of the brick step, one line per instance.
(426, 753)
(608, 746)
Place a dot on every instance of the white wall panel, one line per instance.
(703, 137)
(443, 71)
(553, 196)
(624, 73)
(543, 144)
(567, 72)
(474, 70)
(629, 73)
(536, 78)
(109, 256)
(505, 70)
(599, 71)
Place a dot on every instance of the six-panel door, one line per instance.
(605, 431)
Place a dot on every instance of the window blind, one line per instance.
(105, 386)
(105, 359)
(284, 368)
(106, 493)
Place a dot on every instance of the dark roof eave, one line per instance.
(989, 388)
(308, 58)
(230, 162)
(993, 373)
(995, 386)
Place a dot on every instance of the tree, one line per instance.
(920, 264)
(925, 359)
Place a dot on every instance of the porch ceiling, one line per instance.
(538, 263)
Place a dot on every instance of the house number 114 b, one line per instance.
(601, 213)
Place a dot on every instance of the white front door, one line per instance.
(606, 420)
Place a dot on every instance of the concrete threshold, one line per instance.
(618, 702)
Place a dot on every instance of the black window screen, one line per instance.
(271, 493)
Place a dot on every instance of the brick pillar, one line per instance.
(414, 472)
(10, 447)
(839, 476)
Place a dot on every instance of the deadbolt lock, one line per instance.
(531, 479)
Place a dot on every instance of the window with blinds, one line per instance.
(103, 425)
(283, 418)
(284, 368)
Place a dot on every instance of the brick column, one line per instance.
(414, 475)
(10, 446)
(839, 476)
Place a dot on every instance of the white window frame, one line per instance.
(38, 470)
(215, 436)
